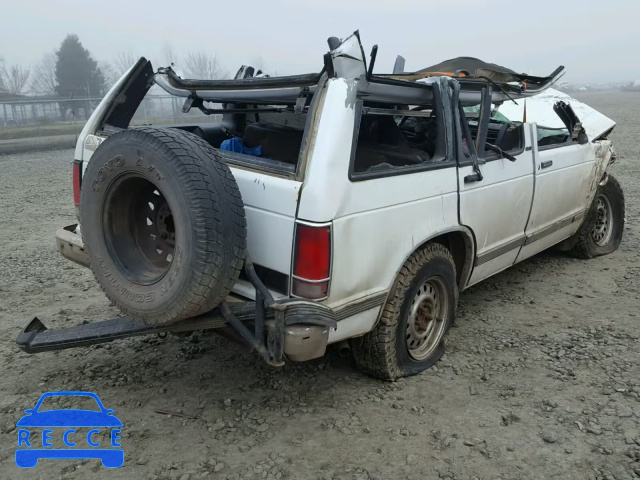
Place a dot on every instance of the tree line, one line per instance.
(71, 72)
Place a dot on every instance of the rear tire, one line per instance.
(601, 231)
(163, 223)
(409, 337)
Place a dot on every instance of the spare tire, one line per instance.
(163, 223)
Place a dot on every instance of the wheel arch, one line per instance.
(460, 242)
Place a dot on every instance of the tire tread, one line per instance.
(585, 247)
(220, 224)
(375, 352)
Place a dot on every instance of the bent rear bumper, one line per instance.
(289, 327)
(70, 245)
(297, 330)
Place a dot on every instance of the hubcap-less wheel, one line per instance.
(139, 229)
(601, 231)
(427, 318)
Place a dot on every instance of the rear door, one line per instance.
(562, 184)
(496, 203)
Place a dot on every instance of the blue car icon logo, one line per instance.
(79, 431)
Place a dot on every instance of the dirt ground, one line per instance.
(541, 378)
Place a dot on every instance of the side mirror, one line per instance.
(582, 138)
(30, 411)
(474, 177)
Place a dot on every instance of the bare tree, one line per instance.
(110, 74)
(169, 55)
(43, 80)
(124, 61)
(15, 78)
(3, 87)
(112, 71)
(204, 66)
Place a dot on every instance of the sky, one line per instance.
(595, 41)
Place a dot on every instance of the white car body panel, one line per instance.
(270, 210)
(399, 212)
(354, 326)
(393, 233)
(327, 164)
(496, 209)
(562, 194)
(347, 58)
(540, 111)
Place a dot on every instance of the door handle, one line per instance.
(546, 164)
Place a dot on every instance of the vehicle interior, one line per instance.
(393, 136)
(508, 135)
(548, 136)
(503, 133)
(270, 138)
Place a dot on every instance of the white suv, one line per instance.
(337, 206)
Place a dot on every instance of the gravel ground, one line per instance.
(541, 378)
(37, 144)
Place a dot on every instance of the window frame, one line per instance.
(484, 119)
(446, 160)
(462, 133)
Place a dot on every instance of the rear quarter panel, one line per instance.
(377, 223)
(270, 205)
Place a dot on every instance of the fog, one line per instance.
(596, 41)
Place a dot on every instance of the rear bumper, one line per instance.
(297, 330)
(285, 328)
(70, 245)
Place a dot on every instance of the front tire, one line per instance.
(601, 232)
(409, 337)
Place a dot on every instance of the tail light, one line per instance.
(77, 180)
(312, 261)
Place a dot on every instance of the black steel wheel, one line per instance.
(139, 229)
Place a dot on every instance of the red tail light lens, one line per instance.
(312, 261)
(77, 180)
(313, 248)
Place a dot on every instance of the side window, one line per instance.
(553, 137)
(571, 133)
(503, 133)
(392, 141)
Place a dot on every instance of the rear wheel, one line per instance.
(409, 336)
(601, 232)
(163, 223)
